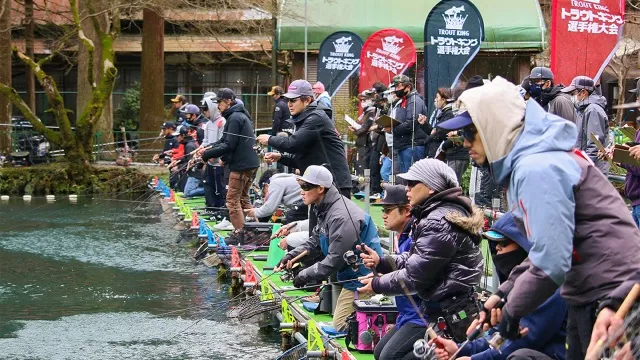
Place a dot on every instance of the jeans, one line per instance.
(579, 326)
(635, 212)
(238, 195)
(192, 188)
(398, 343)
(385, 170)
(409, 156)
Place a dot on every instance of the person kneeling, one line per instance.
(444, 264)
(546, 326)
(341, 226)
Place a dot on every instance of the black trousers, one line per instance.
(214, 187)
(580, 323)
(374, 167)
(398, 344)
(297, 213)
(528, 354)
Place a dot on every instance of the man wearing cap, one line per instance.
(179, 163)
(591, 119)
(398, 342)
(314, 141)
(408, 137)
(550, 97)
(191, 116)
(547, 324)
(444, 264)
(280, 111)
(323, 99)
(235, 149)
(179, 103)
(341, 226)
(170, 142)
(567, 208)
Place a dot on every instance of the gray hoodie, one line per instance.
(283, 189)
(593, 119)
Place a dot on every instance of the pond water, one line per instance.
(105, 279)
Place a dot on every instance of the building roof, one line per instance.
(509, 24)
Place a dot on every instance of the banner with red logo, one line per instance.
(584, 37)
(385, 54)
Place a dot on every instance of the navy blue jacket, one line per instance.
(406, 310)
(547, 324)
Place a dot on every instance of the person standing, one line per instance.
(314, 141)
(235, 149)
(550, 96)
(323, 99)
(565, 206)
(408, 137)
(280, 111)
(592, 118)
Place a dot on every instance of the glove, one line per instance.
(509, 326)
(299, 282)
(285, 259)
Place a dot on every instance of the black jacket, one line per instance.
(409, 123)
(189, 146)
(235, 147)
(363, 139)
(314, 142)
(280, 116)
(445, 258)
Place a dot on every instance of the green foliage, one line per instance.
(466, 180)
(128, 114)
(54, 179)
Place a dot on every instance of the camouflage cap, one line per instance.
(400, 79)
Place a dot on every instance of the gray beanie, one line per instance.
(435, 174)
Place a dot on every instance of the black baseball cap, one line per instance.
(184, 130)
(395, 195)
(226, 94)
(168, 125)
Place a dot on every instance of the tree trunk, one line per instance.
(622, 77)
(152, 75)
(28, 41)
(5, 75)
(104, 125)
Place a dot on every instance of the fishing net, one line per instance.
(297, 352)
(629, 338)
(250, 307)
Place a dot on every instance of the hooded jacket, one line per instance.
(325, 100)
(409, 124)
(558, 103)
(444, 259)
(583, 237)
(280, 116)
(547, 324)
(283, 189)
(592, 118)
(341, 226)
(236, 144)
(314, 142)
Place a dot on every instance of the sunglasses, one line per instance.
(469, 133)
(307, 186)
(412, 183)
(388, 209)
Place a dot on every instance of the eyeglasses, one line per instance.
(307, 186)
(469, 133)
(387, 209)
(412, 183)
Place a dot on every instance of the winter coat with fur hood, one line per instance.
(444, 259)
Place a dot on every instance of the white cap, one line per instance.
(317, 175)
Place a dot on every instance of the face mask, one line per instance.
(400, 93)
(575, 99)
(391, 97)
(366, 104)
(535, 90)
(506, 262)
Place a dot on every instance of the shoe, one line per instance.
(224, 225)
(375, 196)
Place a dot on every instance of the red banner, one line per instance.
(584, 37)
(385, 54)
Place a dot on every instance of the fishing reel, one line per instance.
(290, 274)
(259, 150)
(422, 350)
(352, 259)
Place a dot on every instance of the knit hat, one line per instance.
(435, 174)
(475, 81)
